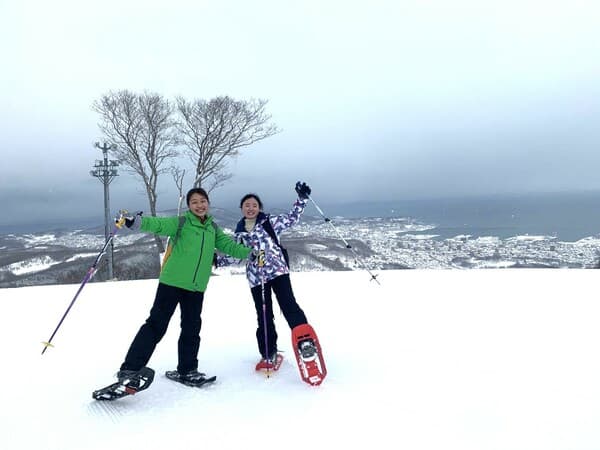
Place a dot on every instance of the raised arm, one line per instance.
(283, 221)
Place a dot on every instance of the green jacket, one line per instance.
(190, 263)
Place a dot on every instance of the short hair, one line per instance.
(193, 191)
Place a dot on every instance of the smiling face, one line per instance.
(199, 205)
(250, 208)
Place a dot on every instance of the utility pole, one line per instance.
(106, 171)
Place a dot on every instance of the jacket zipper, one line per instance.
(199, 259)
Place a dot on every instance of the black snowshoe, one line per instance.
(192, 378)
(130, 383)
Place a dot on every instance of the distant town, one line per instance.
(314, 245)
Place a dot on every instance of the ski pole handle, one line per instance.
(120, 219)
(261, 258)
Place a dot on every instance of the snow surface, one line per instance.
(31, 265)
(447, 359)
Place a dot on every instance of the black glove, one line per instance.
(131, 222)
(303, 190)
(134, 222)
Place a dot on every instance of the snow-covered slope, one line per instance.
(494, 359)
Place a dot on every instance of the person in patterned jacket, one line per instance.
(254, 230)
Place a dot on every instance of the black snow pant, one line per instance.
(150, 334)
(292, 312)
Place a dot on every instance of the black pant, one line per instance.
(287, 303)
(150, 334)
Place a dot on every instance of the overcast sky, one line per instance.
(377, 99)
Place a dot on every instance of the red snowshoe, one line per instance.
(309, 355)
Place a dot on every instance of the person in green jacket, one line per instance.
(182, 282)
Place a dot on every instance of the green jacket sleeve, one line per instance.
(163, 226)
(228, 246)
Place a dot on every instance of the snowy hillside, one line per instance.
(469, 360)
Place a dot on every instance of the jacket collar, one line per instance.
(240, 227)
(196, 221)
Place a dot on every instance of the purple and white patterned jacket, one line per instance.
(259, 239)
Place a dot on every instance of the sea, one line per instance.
(568, 216)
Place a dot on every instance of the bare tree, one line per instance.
(142, 127)
(215, 130)
(178, 175)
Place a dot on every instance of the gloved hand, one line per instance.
(303, 190)
(130, 221)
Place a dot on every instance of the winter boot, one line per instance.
(271, 363)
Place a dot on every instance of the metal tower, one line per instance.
(106, 171)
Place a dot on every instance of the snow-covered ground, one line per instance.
(469, 360)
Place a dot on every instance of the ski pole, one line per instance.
(119, 222)
(261, 265)
(348, 246)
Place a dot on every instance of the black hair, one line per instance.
(247, 196)
(193, 191)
